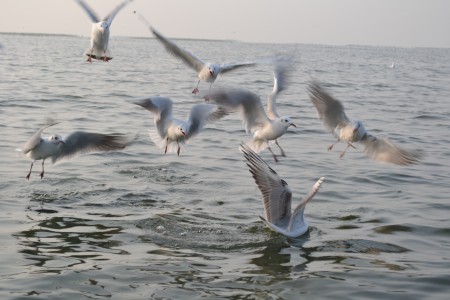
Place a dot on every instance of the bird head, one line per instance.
(182, 130)
(286, 121)
(56, 139)
(214, 70)
(358, 130)
(102, 26)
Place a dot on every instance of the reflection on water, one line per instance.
(56, 243)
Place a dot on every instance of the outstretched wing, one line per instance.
(276, 193)
(384, 150)
(308, 197)
(200, 115)
(250, 104)
(36, 138)
(109, 18)
(185, 56)
(279, 84)
(80, 142)
(330, 110)
(162, 109)
(233, 66)
(91, 13)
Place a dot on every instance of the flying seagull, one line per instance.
(100, 31)
(207, 71)
(277, 197)
(172, 133)
(333, 116)
(265, 127)
(79, 142)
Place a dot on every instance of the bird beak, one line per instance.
(212, 73)
(292, 124)
(183, 133)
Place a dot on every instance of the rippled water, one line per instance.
(139, 224)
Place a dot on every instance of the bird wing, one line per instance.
(187, 57)
(382, 149)
(36, 138)
(330, 110)
(308, 197)
(161, 107)
(276, 193)
(201, 114)
(80, 142)
(279, 84)
(233, 66)
(250, 104)
(109, 18)
(91, 13)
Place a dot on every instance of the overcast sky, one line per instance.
(405, 23)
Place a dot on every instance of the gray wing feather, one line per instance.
(276, 193)
(308, 197)
(161, 107)
(91, 13)
(201, 114)
(185, 56)
(330, 110)
(382, 149)
(233, 66)
(36, 138)
(279, 84)
(109, 18)
(253, 112)
(80, 142)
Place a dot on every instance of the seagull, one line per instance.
(265, 127)
(100, 31)
(170, 132)
(333, 116)
(277, 197)
(207, 71)
(79, 142)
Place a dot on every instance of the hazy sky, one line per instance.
(406, 23)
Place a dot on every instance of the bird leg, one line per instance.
(105, 58)
(90, 55)
(167, 144)
(42, 172)
(281, 149)
(29, 173)
(195, 91)
(178, 151)
(348, 146)
(332, 145)
(274, 156)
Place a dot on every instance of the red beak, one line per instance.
(292, 124)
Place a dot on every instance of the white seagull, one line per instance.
(207, 71)
(333, 116)
(266, 128)
(100, 31)
(277, 197)
(172, 133)
(78, 142)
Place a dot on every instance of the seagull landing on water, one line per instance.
(207, 71)
(171, 133)
(265, 127)
(100, 31)
(277, 197)
(333, 116)
(79, 142)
